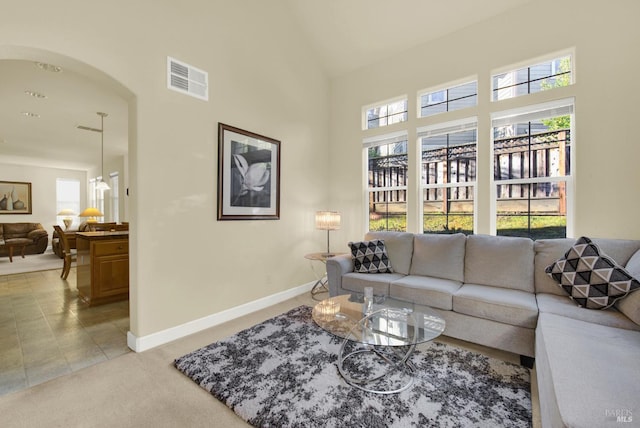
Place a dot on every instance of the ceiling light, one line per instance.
(35, 94)
(30, 114)
(49, 67)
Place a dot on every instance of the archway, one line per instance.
(99, 78)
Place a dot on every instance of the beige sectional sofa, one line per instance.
(494, 291)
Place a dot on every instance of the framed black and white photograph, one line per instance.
(248, 175)
(15, 197)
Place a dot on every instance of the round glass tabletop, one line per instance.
(391, 322)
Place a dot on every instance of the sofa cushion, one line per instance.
(591, 278)
(380, 282)
(508, 306)
(630, 305)
(560, 305)
(439, 256)
(425, 290)
(399, 248)
(579, 359)
(499, 261)
(370, 257)
(18, 230)
(547, 252)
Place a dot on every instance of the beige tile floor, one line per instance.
(46, 332)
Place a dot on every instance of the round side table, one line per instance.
(321, 278)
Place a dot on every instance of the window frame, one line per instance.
(114, 179)
(60, 205)
(529, 113)
(446, 87)
(531, 62)
(437, 129)
(376, 141)
(385, 103)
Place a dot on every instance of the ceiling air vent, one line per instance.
(187, 79)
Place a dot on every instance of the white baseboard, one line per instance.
(143, 343)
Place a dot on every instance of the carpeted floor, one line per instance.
(282, 373)
(31, 263)
(145, 390)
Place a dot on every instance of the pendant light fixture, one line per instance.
(102, 185)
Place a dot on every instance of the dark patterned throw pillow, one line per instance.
(591, 278)
(370, 257)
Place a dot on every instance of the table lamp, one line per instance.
(67, 212)
(91, 213)
(327, 220)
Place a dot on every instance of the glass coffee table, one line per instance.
(377, 347)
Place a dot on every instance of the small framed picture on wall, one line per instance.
(15, 197)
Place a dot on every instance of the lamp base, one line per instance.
(67, 222)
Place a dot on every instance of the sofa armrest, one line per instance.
(36, 233)
(336, 267)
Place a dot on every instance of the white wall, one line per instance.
(605, 39)
(43, 192)
(184, 264)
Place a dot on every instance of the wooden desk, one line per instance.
(102, 266)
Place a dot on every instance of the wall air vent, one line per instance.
(187, 79)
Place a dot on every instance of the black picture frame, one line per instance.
(248, 175)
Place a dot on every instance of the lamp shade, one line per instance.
(67, 212)
(327, 220)
(92, 213)
(67, 220)
(101, 185)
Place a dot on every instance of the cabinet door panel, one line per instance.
(112, 275)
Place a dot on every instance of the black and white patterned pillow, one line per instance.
(370, 257)
(591, 278)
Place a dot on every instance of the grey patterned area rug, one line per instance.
(282, 373)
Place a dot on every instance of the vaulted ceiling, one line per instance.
(344, 34)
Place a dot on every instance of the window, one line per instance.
(532, 170)
(68, 196)
(448, 177)
(99, 196)
(449, 99)
(387, 181)
(115, 206)
(93, 201)
(535, 78)
(385, 114)
(450, 173)
(96, 197)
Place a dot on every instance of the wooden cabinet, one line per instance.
(102, 266)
